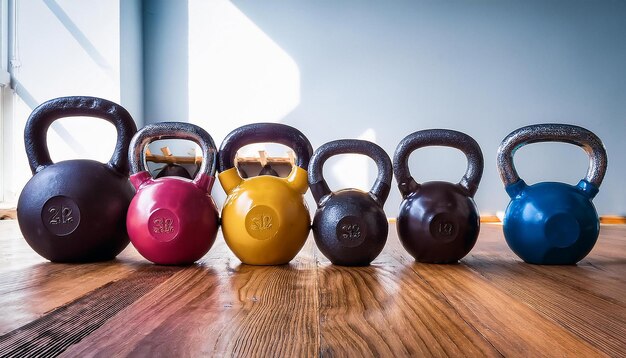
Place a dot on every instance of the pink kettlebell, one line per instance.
(172, 220)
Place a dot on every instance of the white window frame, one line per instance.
(6, 99)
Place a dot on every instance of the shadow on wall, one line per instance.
(484, 68)
(377, 71)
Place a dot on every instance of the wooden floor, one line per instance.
(491, 304)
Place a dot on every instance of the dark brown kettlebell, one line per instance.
(438, 221)
(268, 170)
(75, 210)
(350, 226)
(173, 170)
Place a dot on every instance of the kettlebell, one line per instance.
(268, 170)
(551, 223)
(172, 220)
(171, 169)
(350, 226)
(75, 210)
(438, 221)
(265, 220)
(243, 173)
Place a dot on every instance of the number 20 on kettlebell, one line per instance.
(551, 223)
(265, 220)
(172, 220)
(350, 226)
(438, 221)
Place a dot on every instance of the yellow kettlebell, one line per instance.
(265, 220)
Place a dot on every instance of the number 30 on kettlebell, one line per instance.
(438, 221)
(75, 210)
(172, 220)
(265, 219)
(551, 223)
(350, 226)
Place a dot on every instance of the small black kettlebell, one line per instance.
(438, 221)
(173, 170)
(268, 170)
(350, 226)
(75, 210)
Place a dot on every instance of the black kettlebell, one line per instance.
(438, 221)
(173, 170)
(268, 170)
(75, 210)
(242, 173)
(350, 226)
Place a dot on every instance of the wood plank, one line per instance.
(511, 326)
(601, 272)
(383, 310)
(594, 312)
(31, 286)
(29, 294)
(491, 304)
(53, 333)
(14, 252)
(219, 308)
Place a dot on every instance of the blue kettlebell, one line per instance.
(551, 223)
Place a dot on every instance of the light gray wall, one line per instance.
(165, 53)
(131, 58)
(484, 67)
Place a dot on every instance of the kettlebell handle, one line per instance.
(35, 132)
(317, 183)
(438, 137)
(260, 133)
(552, 132)
(173, 130)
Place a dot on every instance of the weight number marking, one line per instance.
(351, 231)
(62, 215)
(163, 225)
(445, 228)
(260, 223)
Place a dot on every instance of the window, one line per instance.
(5, 92)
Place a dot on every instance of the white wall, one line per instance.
(72, 47)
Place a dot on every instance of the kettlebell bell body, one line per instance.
(172, 220)
(75, 210)
(551, 223)
(265, 219)
(438, 222)
(268, 170)
(350, 226)
(173, 170)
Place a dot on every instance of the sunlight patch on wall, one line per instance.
(61, 49)
(237, 74)
(353, 171)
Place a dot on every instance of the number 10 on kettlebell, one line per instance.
(438, 221)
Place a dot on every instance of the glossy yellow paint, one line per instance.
(265, 220)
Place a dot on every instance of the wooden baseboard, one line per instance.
(612, 219)
(8, 214)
